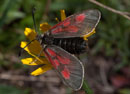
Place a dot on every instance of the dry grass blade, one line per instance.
(124, 14)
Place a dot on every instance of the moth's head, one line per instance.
(39, 38)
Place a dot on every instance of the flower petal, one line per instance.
(41, 70)
(45, 27)
(29, 33)
(28, 61)
(33, 48)
(63, 16)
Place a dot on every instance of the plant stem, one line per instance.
(86, 88)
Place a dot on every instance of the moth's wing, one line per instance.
(69, 68)
(76, 25)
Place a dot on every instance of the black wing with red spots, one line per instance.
(76, 25)
(69, 68)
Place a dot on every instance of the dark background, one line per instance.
(108, 57)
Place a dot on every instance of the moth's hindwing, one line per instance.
(69, 68)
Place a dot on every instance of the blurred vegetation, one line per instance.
(4, 89)
(111, 40)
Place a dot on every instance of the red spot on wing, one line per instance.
(80, 17)
(71, 29)
(67, 61)
(51, 52)
(63, 60)
(66, 23)
(61, 23)
(57, 25)
(57, 30)
(65, 73)
(56, 62)
(50, 59)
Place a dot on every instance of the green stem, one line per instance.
(86, 88)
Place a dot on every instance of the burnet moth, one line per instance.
(65, 39)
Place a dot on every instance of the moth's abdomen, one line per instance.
(73, 45)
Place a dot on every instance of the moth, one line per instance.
(65, 39)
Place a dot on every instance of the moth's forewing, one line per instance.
(76, 25)
(69, 68)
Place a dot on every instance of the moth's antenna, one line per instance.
(34, 22)
(33, 17)
(22, 49)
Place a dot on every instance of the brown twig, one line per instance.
(6, 76)
(124, 14)
(47, 8)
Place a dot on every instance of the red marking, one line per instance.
(57, 25)
(51, 52)
(61, 23)
(56, 62)
(57, 30)
(50, 59)
(80, 17)
(66, 23)
(66, 73)
(71, 29)
(64, 60)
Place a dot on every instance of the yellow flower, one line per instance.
(34, 48)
